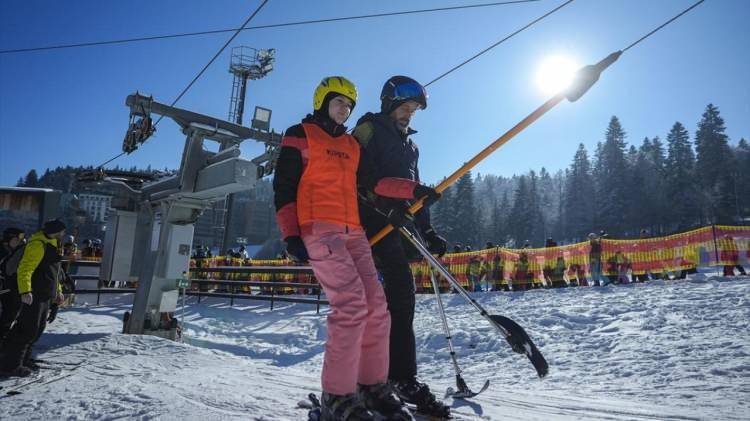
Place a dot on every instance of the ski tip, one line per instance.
(521, 343)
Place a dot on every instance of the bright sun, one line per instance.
(555, 74)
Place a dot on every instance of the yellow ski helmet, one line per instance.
(334, 84)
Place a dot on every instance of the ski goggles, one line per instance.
(410, 90)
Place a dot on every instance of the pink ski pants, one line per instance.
(359, 322)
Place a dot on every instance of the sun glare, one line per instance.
(555, 74)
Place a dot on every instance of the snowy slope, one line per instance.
(658, 351)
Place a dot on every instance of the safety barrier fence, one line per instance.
(504, 268)
(490, 269)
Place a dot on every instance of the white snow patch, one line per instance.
(658, 351)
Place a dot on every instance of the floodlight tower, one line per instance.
(246, 64)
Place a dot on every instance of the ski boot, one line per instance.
(19, 371)
(382, 399)
(343, 408)
(418, 394)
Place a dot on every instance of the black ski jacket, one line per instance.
(393, 154)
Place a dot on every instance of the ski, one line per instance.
(465, 393)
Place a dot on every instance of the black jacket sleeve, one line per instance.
(288, 171)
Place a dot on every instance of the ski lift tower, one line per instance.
(168, 207)
(246, 64)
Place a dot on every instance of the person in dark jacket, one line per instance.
(10, 301)
(595, 260)
(385, 136)
(38, 286)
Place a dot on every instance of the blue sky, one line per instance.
(66, 107)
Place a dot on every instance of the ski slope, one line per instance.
(677, 350)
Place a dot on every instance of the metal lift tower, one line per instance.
(168, 208)
(246, 64)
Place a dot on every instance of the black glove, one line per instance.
(399, 216)
(431, 195)
(435, 243)
(296, 249)
(52, 312)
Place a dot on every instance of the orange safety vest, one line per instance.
(327, 191)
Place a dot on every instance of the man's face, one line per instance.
(58, 235)
(339, 109)
(403, 113)
(15, 241)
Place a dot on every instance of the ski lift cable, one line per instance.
(498, 43)
(662, 26)
(275, 25)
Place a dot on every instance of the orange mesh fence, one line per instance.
(499, 268)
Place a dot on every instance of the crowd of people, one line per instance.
(492, 270)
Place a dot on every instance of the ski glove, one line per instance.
(431, 195)
(27, 298)
(296, 249)
(52, 312)
(435, 243)
(399, 216)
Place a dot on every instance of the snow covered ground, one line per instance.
(676, 350)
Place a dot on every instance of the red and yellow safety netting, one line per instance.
(717, 245)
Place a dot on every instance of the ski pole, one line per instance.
(516, 336)
(463, 389)
(584, 80)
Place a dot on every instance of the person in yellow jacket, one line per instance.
(38, 286)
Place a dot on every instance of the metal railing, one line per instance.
(269, 290)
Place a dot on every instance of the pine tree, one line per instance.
(443, 217)
(520, 221)
(713, 167)
(741, 179)
(656, 159)
(538, 223)
(680, 180)
(549, 199)
(31, 179)
(579, 196)
(635, 216)
(466, 217)
(612, 197)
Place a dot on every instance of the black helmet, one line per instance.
(11, 233)
(400, 89)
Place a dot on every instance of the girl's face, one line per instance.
(339, 109)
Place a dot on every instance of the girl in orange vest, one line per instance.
(315, 192)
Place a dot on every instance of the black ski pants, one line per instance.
(391, 261)
(10, 303)
(29, 326)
